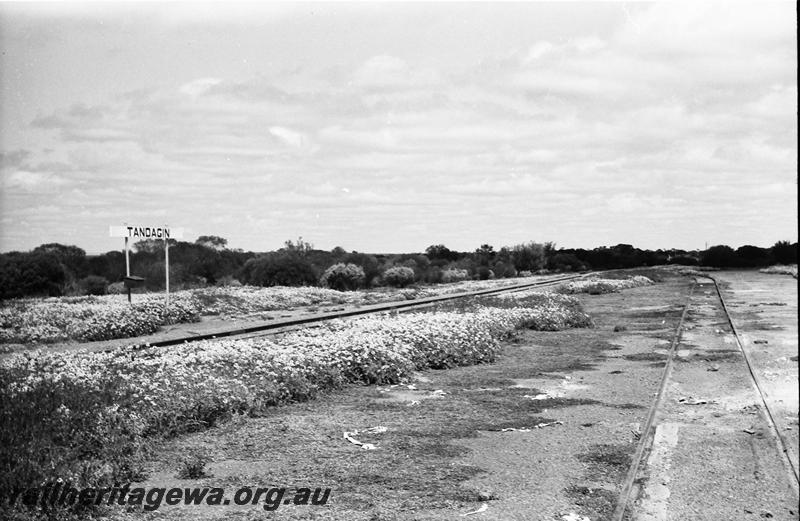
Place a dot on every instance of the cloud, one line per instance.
(200, 86)
(13, 158)
(593, 135)
(290, 137)
(385, 72)
(30, 181)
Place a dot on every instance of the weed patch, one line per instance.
(597, 503)
(608, 462)
(717, 355)
(646, 357)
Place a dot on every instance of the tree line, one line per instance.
(56, 269)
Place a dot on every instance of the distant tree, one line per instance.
(784, 252)
(369, 263)
(281, 268)
(151, 246)
(626, 256)
(503, 269)
(64, 253)
(484, 255)
(36, 273)
(749, 256)
(719, 256)
(565, 262)
(110, 265)
(684, 260)
(72, 258)
(549, 249)
(528, 257)
(504, 255)
(440, 251)
(212, 241)
(484, 273)
(300, 248)
(94, 285)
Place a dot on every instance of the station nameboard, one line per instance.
(146, 232)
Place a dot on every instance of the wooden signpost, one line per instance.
(141, 233)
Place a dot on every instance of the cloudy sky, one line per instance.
(387, 127)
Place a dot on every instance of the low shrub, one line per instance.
(116, 288)
(781, 270)
(281, 268)
(228, 281)
(92, 318)
(80, 428)
(598, 286)
(343, 277)
(454, 275)
(399, 276)
(193, 467)
(485, 273)
(94, 285)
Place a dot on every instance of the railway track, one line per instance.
(631, 486)
(278, 326)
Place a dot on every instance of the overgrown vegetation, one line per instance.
(781, 270)
(86, 417)
(599, 286)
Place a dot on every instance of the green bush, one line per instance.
(720, 256)
(343, 277)
(454, 275)
(94, 285)
(281, 268)
(116, 288)
(504, 270)
(528, 257)
(565, 262)
(34, 274)
(484, 273)
(399, 276)
(227, 281)
(84, 432)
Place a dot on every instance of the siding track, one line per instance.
(624, 509)
(279, 326)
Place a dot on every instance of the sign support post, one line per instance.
(166, 268)
(127, 267)
(145, 232)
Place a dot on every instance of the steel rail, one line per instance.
(648, 432)
(399, 306)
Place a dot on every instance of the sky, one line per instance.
(389, 127)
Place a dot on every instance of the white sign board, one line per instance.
(145, 232)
